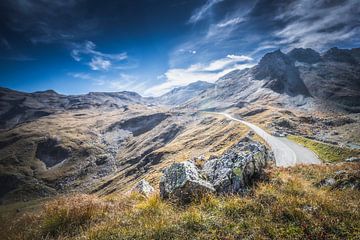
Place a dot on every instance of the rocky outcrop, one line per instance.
(343, 179)
(51, 152)
(233, 172)
(182, 182)
(143, 187)
(237, 168)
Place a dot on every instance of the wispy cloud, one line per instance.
(4, 43)
(201, 12)
(256, 27)
(318, 24)
(200, 72)
(218, 35)
(230, 22)
(98, 63)
(48, 21)
(97, 60)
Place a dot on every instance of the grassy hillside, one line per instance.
(104, 151)
(287, 206)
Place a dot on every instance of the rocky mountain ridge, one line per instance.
(300, 77)
(18, 107)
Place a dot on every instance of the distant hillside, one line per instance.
(180, 95)
(18, 107)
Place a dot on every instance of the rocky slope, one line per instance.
(334, 77)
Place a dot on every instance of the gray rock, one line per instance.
(237, 168)
(353, 159)
(327, 182)
(279, 134)
(182, 182)
(343, 179)
(143, 187)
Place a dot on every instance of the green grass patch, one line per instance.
(326, 152)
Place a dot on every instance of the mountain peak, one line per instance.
(199, 84)
(306, 55)
(340, 55)
(280, 73)
(273, 64)
(275, 58)
(47, 92)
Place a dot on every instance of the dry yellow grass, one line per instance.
(287, 206)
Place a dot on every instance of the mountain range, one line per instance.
(103, 142)
(300, 77)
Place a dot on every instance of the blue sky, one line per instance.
(152, 46)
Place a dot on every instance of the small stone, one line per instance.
(327, 182)
(353, 159)
(143, 187)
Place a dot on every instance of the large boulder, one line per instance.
(238, 167)
(143, 187)
(182, 182)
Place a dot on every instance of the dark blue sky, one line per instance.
(151, 46)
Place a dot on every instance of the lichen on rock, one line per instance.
(233, 172)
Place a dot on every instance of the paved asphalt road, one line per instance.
(287, 153)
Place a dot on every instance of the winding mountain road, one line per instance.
(287, 153)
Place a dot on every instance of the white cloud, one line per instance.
(85, 76)
(96, 60)
(230, 22)
(201, 12)
(264, 46)
(98, 63)
(222, 63)
(199, 72)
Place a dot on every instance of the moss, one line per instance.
(237, 171)
(326, 152)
